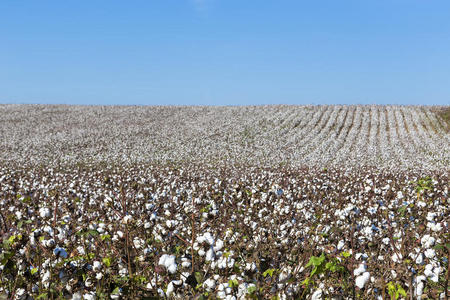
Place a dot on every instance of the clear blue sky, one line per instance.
(225, 52)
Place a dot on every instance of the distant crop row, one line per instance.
(391, 137)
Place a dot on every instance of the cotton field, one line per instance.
(392, 137)
(276, 202)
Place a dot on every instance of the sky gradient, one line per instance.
(225, 52)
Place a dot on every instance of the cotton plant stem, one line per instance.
(353, 260)
(193, 236)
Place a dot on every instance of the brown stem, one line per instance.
(447, 276)
(193, 236)
(55, 213)
(352, 267)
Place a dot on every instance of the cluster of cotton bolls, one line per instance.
(184, 231)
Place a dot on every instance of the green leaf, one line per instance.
(198, 277)
(92, 232)
(42, 296)
(251, 289)
(316, 261)
(346, 254)
(233, 283)
(34, 271)
(401, 291)
(306, 281)
(107, 261)
(439, 247)
(268, 272)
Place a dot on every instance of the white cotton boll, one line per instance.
(127, 219)
(200, 239)
(49, 243)
(434, 227)
(165, 260)
(169, 223)
(210, 255)
(147, 225)
(419, 259)
(428, 270)
(170, 289)
(88, 282)
(250, 266)
(209, 238)
(419, 288)
(361, 268)
(283, 276)
(213, 265)
(385, 241)
(434, 277)
(394, 274)
(161, 293)
(80, 250)
(20, 294)
(437, 270)
(77, 296)
(185, 262)
(431, 216)
(359, 255)
(218, 245)
(427, 241)
(123, 271)
(209, 284)
(430, 253)
(120, 234)
(361, 280)
(172, 269)
(422, 204)
(32, 240)
(99, 276)
(138, 243)
(397, 257)
(45, 212)
(317, 295)
(46, 276)
(201, 252)
(221, 295)
(340, 245)
(96, 266)
(19, 217)
(230, 262)
(399, 195)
